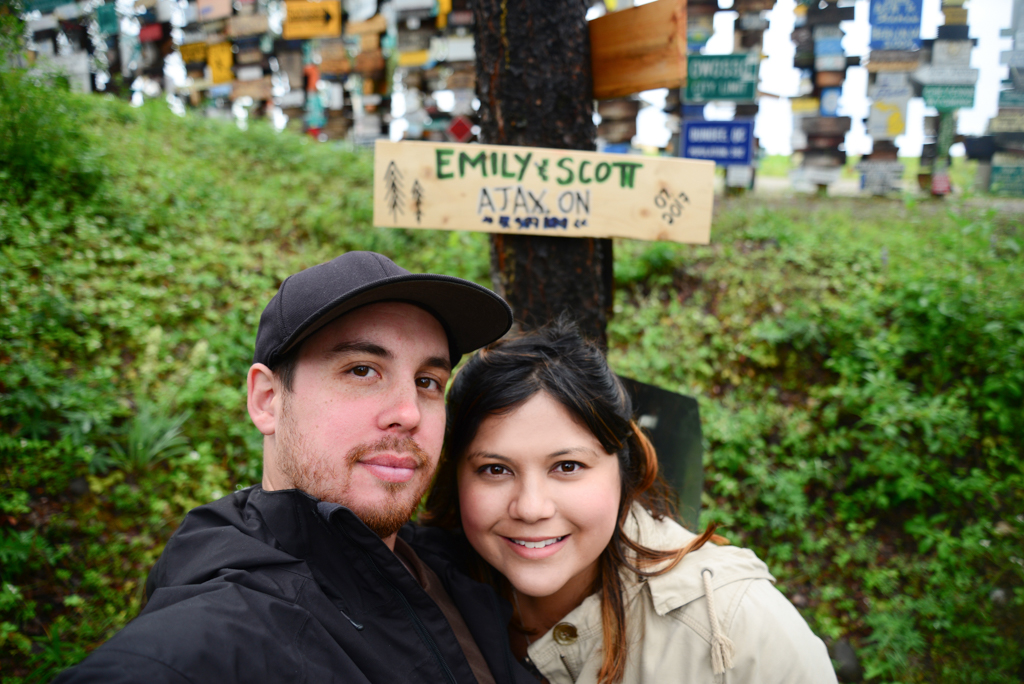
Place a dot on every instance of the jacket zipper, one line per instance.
(417, 623)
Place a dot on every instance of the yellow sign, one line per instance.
(192, 53)
(312, 19)
(541, 191)
(219, 59)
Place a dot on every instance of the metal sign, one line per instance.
(541, 191)
(722, 77)
(895, 24)
(312, 19)
(945, 97)
(724, 142)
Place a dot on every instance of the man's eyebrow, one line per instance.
(439, 362)
(359, 347)
(364, 347)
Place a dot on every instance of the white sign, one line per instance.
(952, 52)
(887, 119)
(1013, 58)
(945, 75)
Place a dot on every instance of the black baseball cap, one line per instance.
(471, 315)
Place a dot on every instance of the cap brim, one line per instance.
(472, 315)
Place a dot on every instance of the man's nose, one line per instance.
(532, 501)
(401, 409)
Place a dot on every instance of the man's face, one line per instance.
(364, 423)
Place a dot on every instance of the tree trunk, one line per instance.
(533, 82)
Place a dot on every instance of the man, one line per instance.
(306, 578)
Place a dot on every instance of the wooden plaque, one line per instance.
(639, 49)
(541, 191)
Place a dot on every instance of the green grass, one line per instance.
(859, 366)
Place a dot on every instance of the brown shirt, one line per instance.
(432, 584)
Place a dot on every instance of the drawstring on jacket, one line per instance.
(721, 645)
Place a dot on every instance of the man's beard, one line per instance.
(328, 479)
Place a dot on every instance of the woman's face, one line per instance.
(539, 498)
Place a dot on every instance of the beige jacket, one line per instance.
(670, 629)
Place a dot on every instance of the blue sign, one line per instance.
(895, 24)
(828, 46)
(723, 142)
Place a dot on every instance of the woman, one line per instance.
(557, 490)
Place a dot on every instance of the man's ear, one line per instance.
(263, 390)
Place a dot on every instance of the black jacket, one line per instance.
(273, 587)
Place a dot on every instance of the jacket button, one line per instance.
(564, 633)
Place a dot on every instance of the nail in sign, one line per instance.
(541, 191)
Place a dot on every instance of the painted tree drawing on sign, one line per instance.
(417, 198)
(393, 194)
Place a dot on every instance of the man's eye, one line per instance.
(427, 383)
(361, 371)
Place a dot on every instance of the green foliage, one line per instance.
(861, 395)
(859, 366)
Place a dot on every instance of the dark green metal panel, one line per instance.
(673, 423)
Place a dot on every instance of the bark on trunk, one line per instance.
(533, 81)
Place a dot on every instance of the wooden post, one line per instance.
(534, 85)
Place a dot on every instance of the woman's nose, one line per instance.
(531, 503)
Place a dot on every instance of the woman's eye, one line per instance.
(493, 469)
(569, 467)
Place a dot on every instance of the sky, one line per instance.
(774, 122)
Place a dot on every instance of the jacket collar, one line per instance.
(684, 584)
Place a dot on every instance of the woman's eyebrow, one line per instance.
(488, 455)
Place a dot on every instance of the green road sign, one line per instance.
(721, 77)
(947, 97)
(106, 17)
(1011, 98)
(43, 6)
(1007, 180)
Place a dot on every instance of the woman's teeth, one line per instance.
(538, 544)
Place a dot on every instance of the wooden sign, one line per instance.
(639, 49)
(312, 19)
(219, 58)
(1006, 122)
(541, 191)
(257, 89)
(208, 10)
(376, 24)
(252, 25)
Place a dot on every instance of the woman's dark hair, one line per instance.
(557, 360)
